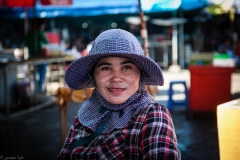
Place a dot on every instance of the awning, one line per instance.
(220, 6)
(81, 8)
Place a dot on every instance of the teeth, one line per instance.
(116, 89)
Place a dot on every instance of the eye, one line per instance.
(127, 67)
(105, 68)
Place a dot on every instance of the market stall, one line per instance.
(8, 67)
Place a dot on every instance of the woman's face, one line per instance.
(116, 79)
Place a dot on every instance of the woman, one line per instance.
(120, 120)
(35, 41)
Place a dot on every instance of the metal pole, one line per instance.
(25, 21)
(174, 67)
(143, 31)
(175, 45)
(7, 101)
(181, 43)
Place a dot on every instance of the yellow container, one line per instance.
(228, 123)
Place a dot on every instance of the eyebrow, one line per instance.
(127, 61)
(106, 63)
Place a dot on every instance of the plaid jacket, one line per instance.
(149, 135)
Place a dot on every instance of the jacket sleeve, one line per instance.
(158, 138)
(65, 151)
(43, 38)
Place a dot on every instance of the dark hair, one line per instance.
(86, 39)
(37, 23)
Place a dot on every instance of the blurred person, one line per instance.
(82, 43)
(227, 48)
(120, 120)
(79, 47)
(238, 51)
(35, 41)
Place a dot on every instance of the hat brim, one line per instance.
(77, 77)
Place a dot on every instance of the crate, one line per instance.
(209, 87)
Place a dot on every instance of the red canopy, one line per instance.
(31, 3)
(19, 3)
(56, 2)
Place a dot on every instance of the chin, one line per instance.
(116, 102)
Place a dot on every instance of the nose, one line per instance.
(116, 76)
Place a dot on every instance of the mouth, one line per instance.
(116, 90)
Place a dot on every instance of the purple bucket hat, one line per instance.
(117, 43)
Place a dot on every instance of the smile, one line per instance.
(116, 90)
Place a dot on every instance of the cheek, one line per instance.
(136, 75)
(134, 79)
(99, 80)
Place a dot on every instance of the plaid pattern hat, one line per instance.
(118, 43)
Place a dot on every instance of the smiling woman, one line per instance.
(120, 120)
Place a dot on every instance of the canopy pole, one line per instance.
(181, 43)
(152, 89)
(25, 18)
(174, 67)
(143, 30)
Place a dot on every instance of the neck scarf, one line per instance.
(94, 111)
